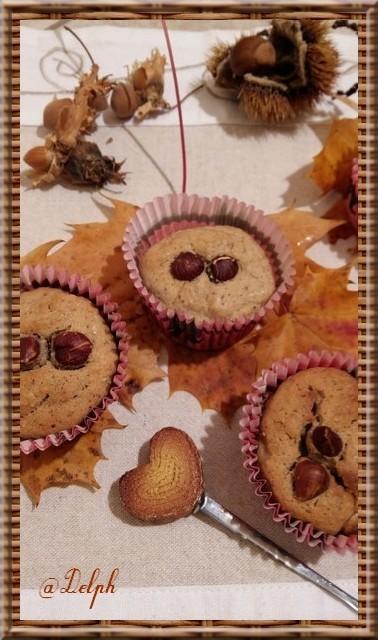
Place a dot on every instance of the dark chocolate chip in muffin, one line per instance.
(33, 351)
(70, 349)
(222, 269)
(187, 266)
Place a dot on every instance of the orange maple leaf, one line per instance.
(333, 165)
(302, 230)
(219, 380)
(322, 315)
(70, 463)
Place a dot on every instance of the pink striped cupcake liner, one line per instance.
(262, 388)
(353, 196)
(41, 276)
(165, 215)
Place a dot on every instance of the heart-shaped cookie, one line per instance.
(170, 485)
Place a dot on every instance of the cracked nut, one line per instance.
(222, 269)
(124, 100)
(250, 54)
(310, 479)
(70, 349)
(187, 266)
(33, 351)
(327, 441)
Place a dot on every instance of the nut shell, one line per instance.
(124, 100)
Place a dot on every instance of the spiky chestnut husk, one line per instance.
(86, 165)
(306, 69)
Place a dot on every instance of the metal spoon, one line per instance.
(226, 519)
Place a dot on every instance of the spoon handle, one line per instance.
(216, 512)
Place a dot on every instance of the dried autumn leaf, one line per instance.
(302, 230)
(147, 78)
(339, 211)
(333, 165)
(322, 315)
(219, 380)
(71, 463)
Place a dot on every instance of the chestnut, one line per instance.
(252, 53)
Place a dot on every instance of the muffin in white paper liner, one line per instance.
(262, 388)
(39, 275)
(165, 215)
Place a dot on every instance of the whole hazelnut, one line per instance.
(222, 269)
(310, 479)
(327, 441)
(29, 350)
(124, 100)
(98, 102)
(70, 349)
(187, 266)
(140, 79)
(39, 158)
(52, 111)
(250, 53)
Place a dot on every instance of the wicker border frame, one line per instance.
(367, 17)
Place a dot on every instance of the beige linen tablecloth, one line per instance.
(189, 568)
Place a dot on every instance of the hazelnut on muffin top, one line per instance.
(209, 272)
(308, 448)
(68, 358)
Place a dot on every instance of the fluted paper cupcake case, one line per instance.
(353, 196)
(165, 215)
(249, 436)
(37, 276)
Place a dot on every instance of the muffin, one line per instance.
(211, 272)
(308, 448)
(68, 358)
(299, 434)
(208, 270)
(73, 355)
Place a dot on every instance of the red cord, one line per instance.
(182, 136)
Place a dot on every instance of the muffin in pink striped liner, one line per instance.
(353, 196)
(73, 356)
(213, 271)
(300, 429)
